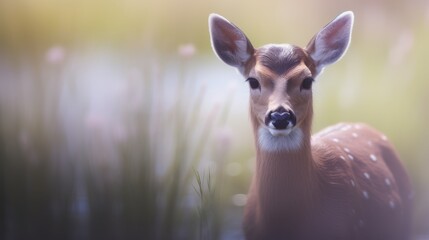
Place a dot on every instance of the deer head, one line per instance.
(280, 77)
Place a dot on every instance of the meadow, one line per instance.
(117, 121)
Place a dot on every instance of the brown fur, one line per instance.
(308, 193)
(345, 182)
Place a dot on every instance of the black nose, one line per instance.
(280, 118)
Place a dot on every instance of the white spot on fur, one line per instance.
(342, 157)
(355, 135)
(387, 181)
(357, 126)
(353, 183)
(365, 194)
(373, 157)
(289, 140)
(346, 150)
(335, 140)
(367, 176)
(383, 137)
(350, 156)
(392, 204)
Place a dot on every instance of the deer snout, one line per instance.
(280, 119)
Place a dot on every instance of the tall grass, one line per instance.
(208, 226)
(121, 171)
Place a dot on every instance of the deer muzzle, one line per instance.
(280, 119)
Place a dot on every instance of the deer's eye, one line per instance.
(307, 83)
(253, 83)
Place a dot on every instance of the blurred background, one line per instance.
(117, 121)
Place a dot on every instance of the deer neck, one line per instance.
(286, 180)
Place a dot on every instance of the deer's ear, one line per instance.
(229, 42)
(330, 44)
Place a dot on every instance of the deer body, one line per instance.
(345, 182)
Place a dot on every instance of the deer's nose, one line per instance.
(280, 118)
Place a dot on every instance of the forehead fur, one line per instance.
(280, 58)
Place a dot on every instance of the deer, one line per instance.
(344, 182)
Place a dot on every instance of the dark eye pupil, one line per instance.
(306, 84)
(254, 84)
